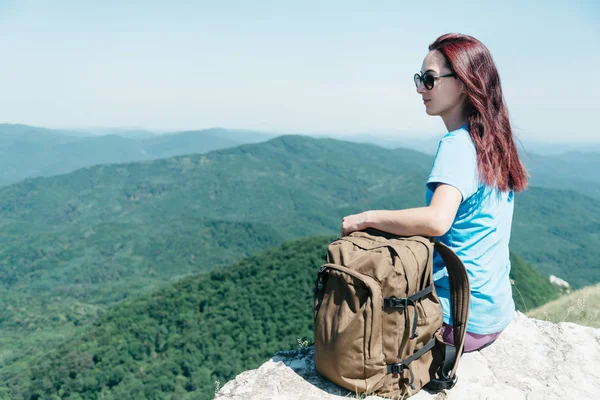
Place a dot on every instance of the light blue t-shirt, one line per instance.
(479, 236)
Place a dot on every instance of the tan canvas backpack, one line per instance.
(377, 317)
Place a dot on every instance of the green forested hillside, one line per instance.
(530, 287)
(108, 262)
(57, 282)
(72, 245)
(176, 342)
(284, 176)
(559, 233)
(297, 185)
(57, 222)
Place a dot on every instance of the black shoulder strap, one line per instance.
(460, 294)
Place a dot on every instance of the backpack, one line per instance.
(377, 318)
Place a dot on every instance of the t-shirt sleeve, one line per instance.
(455, 164)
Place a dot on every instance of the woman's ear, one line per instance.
(463, 88)
(463, 92)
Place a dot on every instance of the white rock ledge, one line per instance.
(531, 360)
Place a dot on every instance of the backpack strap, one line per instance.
(460, 292)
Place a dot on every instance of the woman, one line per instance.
(469, 193)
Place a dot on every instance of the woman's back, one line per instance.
(479, 235)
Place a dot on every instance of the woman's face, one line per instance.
(447, 95)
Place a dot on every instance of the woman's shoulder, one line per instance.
(458, 140)
(461, 133)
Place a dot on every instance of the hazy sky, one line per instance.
(288, 66)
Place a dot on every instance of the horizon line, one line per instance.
(383, 133)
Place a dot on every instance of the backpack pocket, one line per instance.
(348, 328)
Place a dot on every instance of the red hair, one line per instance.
(497, 158)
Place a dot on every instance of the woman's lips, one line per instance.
(425, 101)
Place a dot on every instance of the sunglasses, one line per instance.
(428, 79)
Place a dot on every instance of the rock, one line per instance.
(531, 359)
(559, 282)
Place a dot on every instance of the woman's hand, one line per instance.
(355, 222)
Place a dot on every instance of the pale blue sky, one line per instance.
(288, 66)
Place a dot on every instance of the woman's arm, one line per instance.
(433, 220)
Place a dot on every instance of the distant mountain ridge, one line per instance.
(573, 170)
(550, 165)
(27, 151)
(10, 133)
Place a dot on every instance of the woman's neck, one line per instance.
(454, 122)
(456, 117)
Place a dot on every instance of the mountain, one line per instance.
(298, 185)
(295, 175)
(245, 135)
(425, 143)
(548, 148)
(27, 152)
(75, 237)
(131, 133)
(178, 340)
(107, 215)
(179, 143)
(71, 246)
(14, 133)
(558, 232)
(577, 171)
(556, 166)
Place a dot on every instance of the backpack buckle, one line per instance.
(396, 302)
(396, 368)
(437, 385)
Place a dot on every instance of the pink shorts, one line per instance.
(473, 341)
